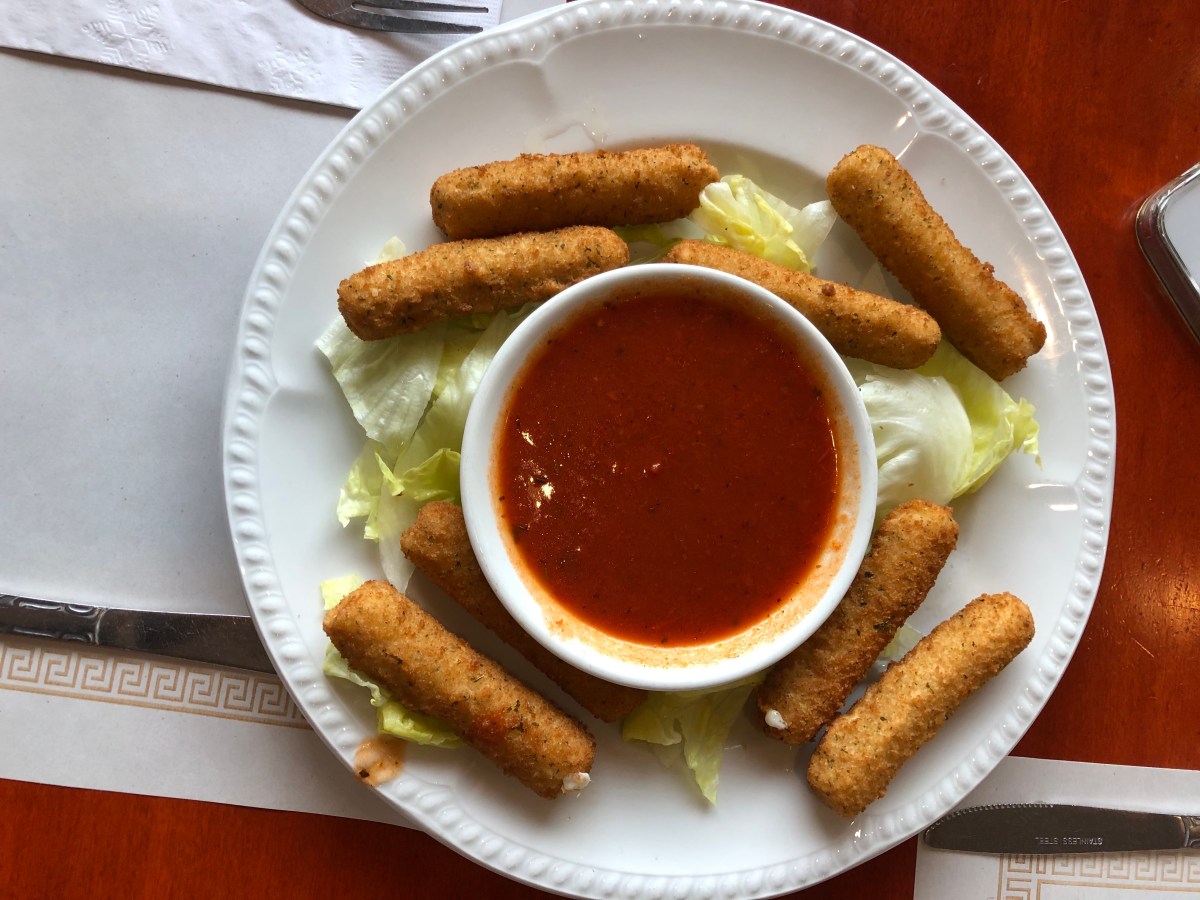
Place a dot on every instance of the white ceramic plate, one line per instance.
(777, 96)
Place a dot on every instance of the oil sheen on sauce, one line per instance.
(667, 467)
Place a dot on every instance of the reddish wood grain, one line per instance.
(1099, 107)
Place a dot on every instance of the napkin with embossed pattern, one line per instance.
(262, 46)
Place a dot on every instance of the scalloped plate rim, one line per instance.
(251, 384)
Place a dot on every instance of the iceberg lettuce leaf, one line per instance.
(696, 724)
(423, 469)
(334, 590)
(941, 430)
(434, 479)
(396, 719)
(388, 383)
(369, 480)
(922, 434)
(1000, 425)
(648, 243)
(392, 716)
(737, 212)
(905, 639)
(444, 421)
(404, 466)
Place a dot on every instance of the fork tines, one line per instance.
(383, 15)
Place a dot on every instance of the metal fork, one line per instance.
(381, 15)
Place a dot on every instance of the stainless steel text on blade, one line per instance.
(223, 640)
(1046, 829)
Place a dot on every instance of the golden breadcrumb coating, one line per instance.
(979, 314)
(388, 638)
(538, 192)
(807, 688)
(862, 751)
(438, 545)
(856, 323)
(452, 279)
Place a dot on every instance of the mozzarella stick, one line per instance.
(863, 750)
(540, 192)
(438, 545)
(856, 323)
(804, 691)
(979, 314)
(388, 638)
(452, 279)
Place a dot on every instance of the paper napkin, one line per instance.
(951, 875)
(263, 46)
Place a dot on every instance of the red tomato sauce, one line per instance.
(667, 468)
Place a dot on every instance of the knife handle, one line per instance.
(1191, 832)
(48, 619)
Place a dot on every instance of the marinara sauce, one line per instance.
(667, 467)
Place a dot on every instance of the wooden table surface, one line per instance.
(1099, 104)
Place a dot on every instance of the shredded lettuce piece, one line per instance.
(648, 243)
(688, 730)
(397, 720)
(905, 639)
(369, 479)
(941, 430)
(393, 248)
(411, 395)
(396, 514)
(392, 716)
(387, 383)
(737, 212)
(693, 727)
(440, 432)
(999, 424)
(922, 434)
(335, 590)
(443, 424)
(434, 479)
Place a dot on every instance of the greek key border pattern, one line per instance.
(42, 667)
(1026, 877)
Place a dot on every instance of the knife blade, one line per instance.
(1048, 828)
(222, 640)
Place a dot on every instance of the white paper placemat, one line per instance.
(133, 209)
(140, 725)
(949, 875)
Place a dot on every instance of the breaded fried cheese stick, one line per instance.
(385, 636)
(538, 192)
(979, 314)
(438, 545)
(862, 751)
(856, 323)
(804, 691)
(445, 281)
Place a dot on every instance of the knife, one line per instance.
(222, 640)
(1045, 829)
